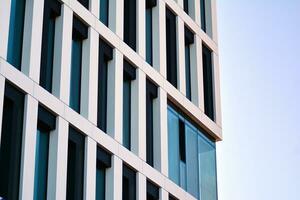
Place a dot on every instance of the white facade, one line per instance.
(28, 81)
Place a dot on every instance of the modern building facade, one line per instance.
(109, 99)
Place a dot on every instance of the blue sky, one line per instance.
(259, 47)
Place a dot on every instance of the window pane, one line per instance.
(128, 184)
(41, 165)
(207, 169)
(188, 72)
(206, 16)
(192, 160)
(75, 165)
(130, 23)
(104, 6)
(11, 143)
(15, 39)
(149, 35)
(126, 113)
(173, 143)
(100, 183)
(171, 48)
(75, 85)
(47, 53)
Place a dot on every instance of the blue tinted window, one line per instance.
(173, 143)
(149, 36)
(100, 183)
(75, 85)
(15, 39)
(191, 160)
(207, 169)
(104, 6)
(41, 165)
(197, 172)
(126, 113)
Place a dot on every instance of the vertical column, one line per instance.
(214, 20)
(90, 169)
(113, 190)
(138, 112)
(32, 43)
(115, 18)
(4, 26)
(94, 7)
(196, 71)
(115, 96)
(160, 132)
(141, 182)
(180, 3)
(198, 75)
(194, 8)
(180, 56)
(28, 148)
(163, 194)
(141, 28)
(159, 38)
(58, 155)
(2, 86)
(89, 76)
(217, 92)
(62, 57)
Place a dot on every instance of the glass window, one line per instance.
(188, 40)
(206, 18)
(151, 94)
(130, 23)
(171, 47)
(152, 191)
(129, 75)
(85, 3)
(196, 172)
(16, 29)
(149, 35)
(75, 165)
(46, 123)
(128, 184)
(207, 169)
(208, 82)
(105, 55)
(79, 34)
(11, 142)
(103, 162)
(104, 11)
(75, 85)
(186, 6)
(51, 12)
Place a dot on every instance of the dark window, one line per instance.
(171, 47)
(206, 16)
(52, 9)
(149, 35)
(151, 93)
(208, 82)
(105, 55)
(104, 11)
(103, 162)
(186, 6)
(129, 183)
(75, 165)
(15, 39)
(152, 191)
(130, 23)
(129, 74)
(203, 15)
(182, 141)
(189, 39)
(172, 197)
(46, 124)
(11, 143)
(79, 34)
(85, 3)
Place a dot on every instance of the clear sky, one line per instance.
(259, 47)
